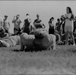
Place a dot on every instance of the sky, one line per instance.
(46, 10)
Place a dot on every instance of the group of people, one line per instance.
(4, 26)
(36, 34)
(27, 27)
(65, 28)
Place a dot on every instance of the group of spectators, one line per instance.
(64, 29)
(27, 27)
(4, 26)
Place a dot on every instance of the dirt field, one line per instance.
(51, 62)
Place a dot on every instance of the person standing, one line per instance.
(38, 22)
(1, 23)
(2, 31)
(6, 24)
(69, 17)
(16, 20)
(62, 24)
(74, 30)
(51, 26)
(26, 27)
(58, 26)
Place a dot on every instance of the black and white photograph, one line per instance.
(37, 37)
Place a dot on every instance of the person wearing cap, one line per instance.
(16, 20)
(6, 24)
(26, 27)
(38, 23)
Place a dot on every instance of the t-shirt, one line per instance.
(1, 23)
(26, 27)
(58, 26)
(6, 25)
(12, 40)
(16, 23)
(15, 40)
(68, 20)
(26, 23)
(37, 21)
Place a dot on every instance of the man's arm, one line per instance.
(37, 23)
(9, 24)
(20, 21)
(13, 20)
(34, 22)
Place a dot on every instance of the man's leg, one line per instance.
(72, 36)
(58, 38)
(54, 42)
(4, 43)
(67, 37)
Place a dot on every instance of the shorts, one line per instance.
(17, 31)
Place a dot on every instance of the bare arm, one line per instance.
(13, 19)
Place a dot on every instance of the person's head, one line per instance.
(58, 20)
(62, 18)
(27, 15)
(5, 17)
(75, 18)
(68, 10)
(37, 16)
(52, 19)
(17, 16)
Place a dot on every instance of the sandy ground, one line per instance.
(61, 61)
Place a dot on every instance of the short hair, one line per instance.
(5, 16)
(27, 14)
(17, 15)
(52, 18)
(58, 19)
(37, 15)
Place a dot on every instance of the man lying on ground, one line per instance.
(10, 41)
